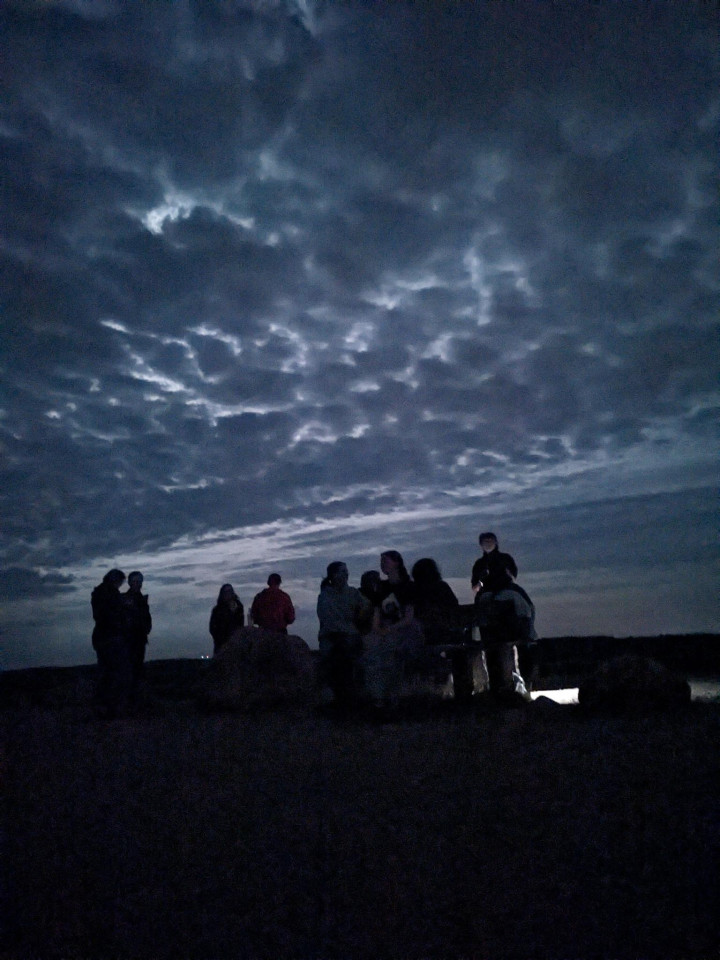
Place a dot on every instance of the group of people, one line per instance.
(272, 609)
(374, 636)
(120, 636)
(370, 638)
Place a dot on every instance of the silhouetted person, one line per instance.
(436, 606)
(111, 644)
(491, 570)
(395, 645)
(139, 625)
(272, 608)
(369, 588)
(340, 608)
(228, 615)
(506, 618)
(396, 594)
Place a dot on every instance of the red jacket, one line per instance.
(272, 609)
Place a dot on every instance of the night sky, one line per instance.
(291, 282)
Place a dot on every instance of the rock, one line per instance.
(632, 682)
(258, 669)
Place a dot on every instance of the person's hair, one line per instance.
(332, 569)
(487, 535)
(369, 582)
(426, 571)
(397, 559)
(225, 586)
(134, 576)
(274, 578)
(114, 576)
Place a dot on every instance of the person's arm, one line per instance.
(448, 597)
(289, 612)
(361, 608)
(324, 610)
(215, 632)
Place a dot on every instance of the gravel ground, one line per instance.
(536, 832)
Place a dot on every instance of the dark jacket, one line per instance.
(109, 614)
(489, 570)
(404, 594)
(438, 610)
(137, 611)
(224, 622)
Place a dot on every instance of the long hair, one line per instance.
(369, 584)
(114, 577)
(224, 587)
(397, 559)
(426, 571)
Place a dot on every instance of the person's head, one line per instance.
(426, 571)
(393, 565)
(337, 574)
(114, 578)
(135, 581)
(488, 541)
(369, 582)
(274, 580)
(226, 594)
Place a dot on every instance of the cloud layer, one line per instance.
(293, 263)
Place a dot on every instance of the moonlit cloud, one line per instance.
(284, 282)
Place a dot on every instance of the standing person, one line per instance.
(369, 586)
(272, 608)
(490, 571)
(395, 644)
(228, 615)
(436, 606)
(340, 608)
(506, 617)
(139, 625)
(111, 644)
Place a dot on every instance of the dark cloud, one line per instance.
(19, 583)
(270, 261)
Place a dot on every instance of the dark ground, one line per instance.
(535, 832)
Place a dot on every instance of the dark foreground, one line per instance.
(533, 832)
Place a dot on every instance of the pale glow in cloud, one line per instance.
(267, 282)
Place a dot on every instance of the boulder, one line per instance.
(257, 669)
(632, 682)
